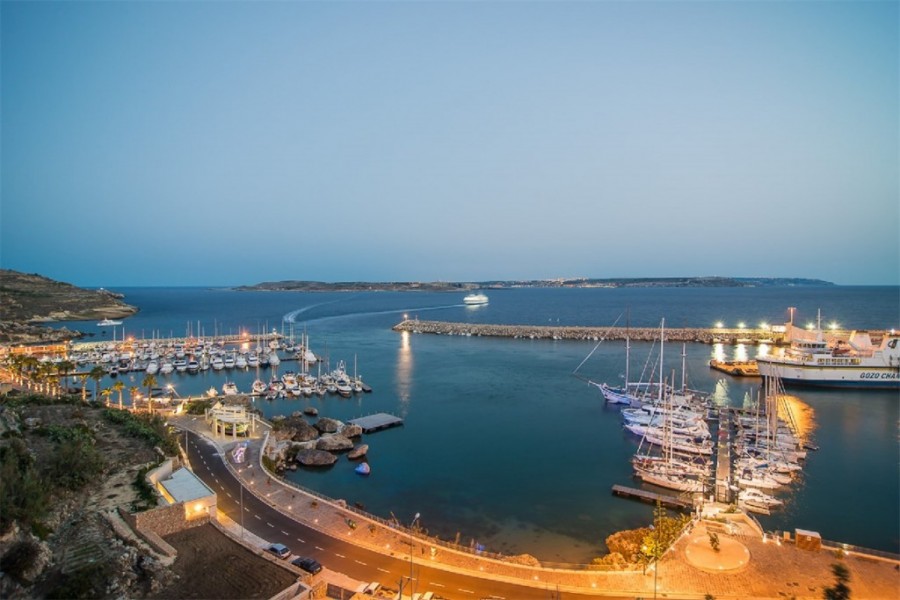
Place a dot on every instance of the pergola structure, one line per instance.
(230, 420)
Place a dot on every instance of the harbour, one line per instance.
(464, 398)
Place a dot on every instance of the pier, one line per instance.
(377, 422)
(723, 458)
(535, 332)
(652, 497)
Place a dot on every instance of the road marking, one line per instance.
(465, 591)
(227, 494)
(258, 517)
(285, 532)
(360, 562)
(436, 584)
(383, 570)
(320, 548)
(247, 509)
(301, 541)
(269, 524)
(341, 555)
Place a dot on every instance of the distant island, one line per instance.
(581, 282)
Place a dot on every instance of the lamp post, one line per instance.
(411, 524)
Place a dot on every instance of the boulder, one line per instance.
(334, 443)
(358, 452)
(326, 425)
(311, 411)
(351, 430)
(303, 431)
(315, 458)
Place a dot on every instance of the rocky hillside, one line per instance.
(26, 299)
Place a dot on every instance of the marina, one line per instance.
(449, 388)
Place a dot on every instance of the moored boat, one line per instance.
(856, 363)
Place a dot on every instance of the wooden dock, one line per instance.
(377, 422)
(652, 497)
(723, 459)
(738, 368)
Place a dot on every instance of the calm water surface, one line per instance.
(502, 445)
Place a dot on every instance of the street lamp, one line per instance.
(411, 525)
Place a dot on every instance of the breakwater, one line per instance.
(536, 332)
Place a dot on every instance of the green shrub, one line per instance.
(19, 558)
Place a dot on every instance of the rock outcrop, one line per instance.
(315, 458)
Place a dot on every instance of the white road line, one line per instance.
(227, 494)
(383, 570)
(320, 548)
(301, 541)
(465, 591)
(360, 562)
(270, 525)
(341, 555)
(247, 509)
(258, 517)
(436, 584)
(285, 532)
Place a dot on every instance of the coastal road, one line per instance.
(339, 555)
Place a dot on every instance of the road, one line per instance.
(338, 555)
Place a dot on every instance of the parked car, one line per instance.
(279, 550)
(310, 565)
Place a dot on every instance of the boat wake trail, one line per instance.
(291, 317)
(417, 309)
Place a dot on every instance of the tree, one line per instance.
(149, 382)
(83, 377)
(64, 367)
(840, 590)
(119, 386)
(97, 374)
(133, 390)
(106, 393)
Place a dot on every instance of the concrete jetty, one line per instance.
(683, 334)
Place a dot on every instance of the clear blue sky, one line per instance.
(218, 143)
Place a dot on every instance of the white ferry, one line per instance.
(856, 363)
(475, 299)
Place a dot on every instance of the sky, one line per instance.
(225, 143)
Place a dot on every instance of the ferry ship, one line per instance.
(475, 299)
(856, 363)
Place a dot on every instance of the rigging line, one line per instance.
(603, 337)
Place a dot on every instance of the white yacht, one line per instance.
(108, 323)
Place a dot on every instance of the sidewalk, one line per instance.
(771, 570)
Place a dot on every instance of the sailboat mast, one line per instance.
(662, 339)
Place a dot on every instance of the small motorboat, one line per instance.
(363, 468)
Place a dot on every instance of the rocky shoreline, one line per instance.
(27, 300)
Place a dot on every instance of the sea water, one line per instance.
(502, 445)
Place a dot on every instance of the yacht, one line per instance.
(229, 388)
(475, 299)
(108, 323)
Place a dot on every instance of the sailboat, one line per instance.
(670, 469)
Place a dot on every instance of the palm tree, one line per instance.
(119, 386)
(149, 382)
(64, 367)
(97, 374)
(106, 393)
(133, 390)
(83, 377)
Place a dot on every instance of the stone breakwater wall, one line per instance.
(649, 334)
